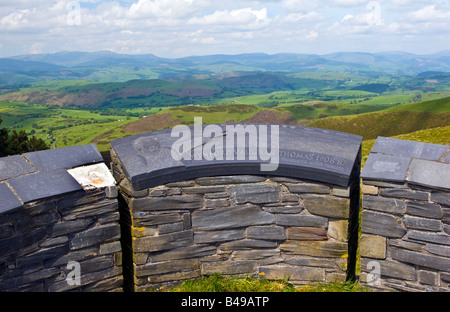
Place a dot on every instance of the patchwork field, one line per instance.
(66, 126)
(65, 110)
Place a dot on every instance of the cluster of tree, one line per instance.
(13, 142)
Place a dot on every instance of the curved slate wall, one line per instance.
(190, 217)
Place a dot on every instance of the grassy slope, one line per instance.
(170, 117)
(401, 119)
(393, 121)
(319, 109)
(60, 127)
(95, 94)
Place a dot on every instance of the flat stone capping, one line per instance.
(305, 153)
(59, 211)
(395, 160)
(405, 228)
(39, 175)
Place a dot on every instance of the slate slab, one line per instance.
(325, 249)
(65, 158)
(292, 273)
(304, 153)
(44, 184)
(163, 242)
(230, 217)
(392, 269)
(381, 224)
(8, 200)
(14, 166)
(421, 259)
(407, 148)
(430, 173)
(385, 167)
(427, 210)
(255, 193)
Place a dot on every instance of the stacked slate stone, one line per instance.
(274, 228)
(52, 220)
(405, 241)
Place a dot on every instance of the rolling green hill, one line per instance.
(405, 119)
(153, 92)
(71, 98)
(393, 121)
(106, 66)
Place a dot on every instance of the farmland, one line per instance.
(98, 103)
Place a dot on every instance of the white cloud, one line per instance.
(302, 17)
(160, 8)
(430, 14)
(299, 5)
(244, 18)
(360, 23)
(14, 20)
(312, 35)
(348, 3)
(174, 27)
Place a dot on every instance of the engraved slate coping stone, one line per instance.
(416, 162)
(304, 153)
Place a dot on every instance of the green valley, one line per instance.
(61, 101)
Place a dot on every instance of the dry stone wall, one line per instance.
(271, 227)
(59, 217)
(192, 217)
(150, 221)
(405, 240)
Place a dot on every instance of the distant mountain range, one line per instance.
(105, 66)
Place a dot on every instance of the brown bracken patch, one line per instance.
(151, 123)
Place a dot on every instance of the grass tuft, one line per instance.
(221, 283)
(333, 287)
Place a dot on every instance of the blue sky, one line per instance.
(176, 28)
